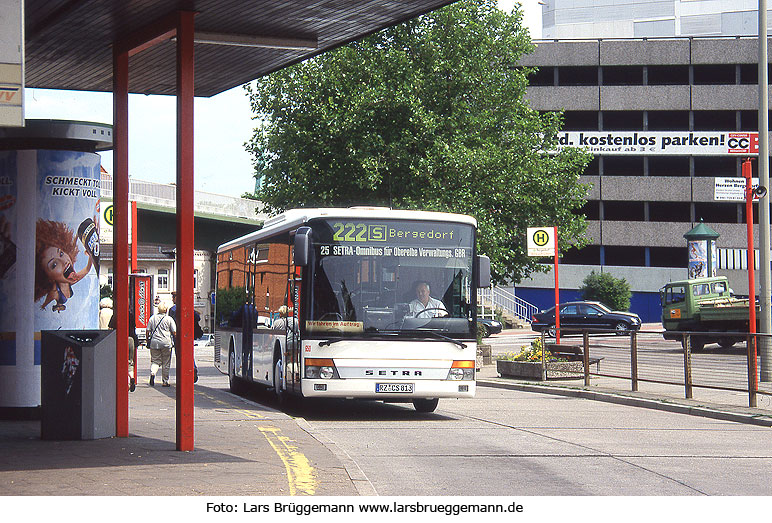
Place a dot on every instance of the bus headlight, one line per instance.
(461, 370)
(320, 368)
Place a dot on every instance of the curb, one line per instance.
(763, 420)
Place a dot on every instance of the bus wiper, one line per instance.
(441, 336)
(330, 341)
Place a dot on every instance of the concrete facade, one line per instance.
(640, 205)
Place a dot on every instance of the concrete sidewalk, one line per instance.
(242, 448)
(249, 450)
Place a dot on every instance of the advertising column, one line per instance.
(49, 246)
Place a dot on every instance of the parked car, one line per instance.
(578, 315)
(207, 340)
(488, 326)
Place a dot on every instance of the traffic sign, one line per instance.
(541, 241)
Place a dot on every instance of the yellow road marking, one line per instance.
(300, 473)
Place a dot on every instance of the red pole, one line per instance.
(185, 193)
(120, 239)
(134, 261)
(134, 238)
(557, 291)
(747, 174)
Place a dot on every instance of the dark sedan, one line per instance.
(592, 315)
(488, 326)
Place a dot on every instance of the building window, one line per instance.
(578, 75)
(623, 75)
(162, 280)
(668, 75)
(195, 279)
(715, 74)
(110, 278)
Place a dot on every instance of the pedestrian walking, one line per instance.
(197, 331)
(161, 327)
(105, 312)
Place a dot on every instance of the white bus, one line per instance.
(349, 282)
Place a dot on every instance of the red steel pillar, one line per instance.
(134, 238)
(185, 192)
(121, 238)
(747, 174)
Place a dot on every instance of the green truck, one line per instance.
(706, 306)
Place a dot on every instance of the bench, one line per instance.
(572, 353)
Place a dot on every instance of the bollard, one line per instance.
(688, 366)
(752, 378)
(634, 360)
(586, 357)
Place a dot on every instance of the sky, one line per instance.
(223, 124)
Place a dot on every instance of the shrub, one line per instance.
(603, 287)
(532, 352)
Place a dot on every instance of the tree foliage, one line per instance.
(605, 288)
(428, 114)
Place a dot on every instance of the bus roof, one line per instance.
(293, 218)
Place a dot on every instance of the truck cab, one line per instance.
(681, 301)
(705, 306)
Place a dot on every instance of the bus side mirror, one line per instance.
(302, 251)
(483, 271)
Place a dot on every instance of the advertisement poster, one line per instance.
(682, 143)
(67, 241)
(8, 243)
(714, 258)
(698, 259)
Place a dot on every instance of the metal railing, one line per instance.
(496, 298)
(725, 372)
(165, 195)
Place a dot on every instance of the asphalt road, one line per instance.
(516, 443)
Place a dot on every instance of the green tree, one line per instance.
(427, 115)
(605, 288)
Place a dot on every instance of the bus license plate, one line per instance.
(399, 388)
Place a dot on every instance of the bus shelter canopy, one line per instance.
(68, 43)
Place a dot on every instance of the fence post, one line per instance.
(750, 340)
(586, 357)
(634, 360)
(688, 366)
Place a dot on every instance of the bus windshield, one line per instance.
(393, 278)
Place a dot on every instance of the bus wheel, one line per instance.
(277, 389)
(233, 380)
(425, 405)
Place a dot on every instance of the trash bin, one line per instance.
(77, 389)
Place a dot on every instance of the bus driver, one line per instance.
(424, 306)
